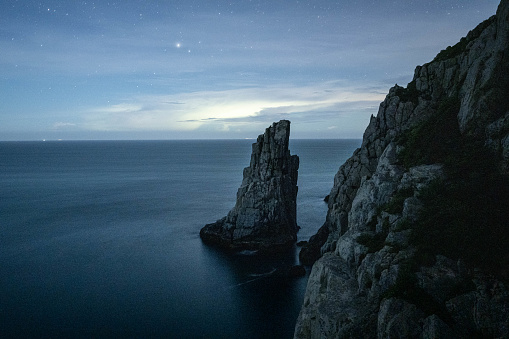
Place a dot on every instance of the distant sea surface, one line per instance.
(101, 238)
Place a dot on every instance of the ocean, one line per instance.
(101, 239)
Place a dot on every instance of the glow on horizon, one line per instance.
(213, 69)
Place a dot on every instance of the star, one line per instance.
(57, 43)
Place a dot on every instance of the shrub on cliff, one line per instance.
(465, 216)
(435, 139)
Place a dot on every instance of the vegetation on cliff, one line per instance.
(418, 216)
(466, 215)
(461, 46)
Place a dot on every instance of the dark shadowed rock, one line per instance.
(310, 251)
(382, 270)
(265, 215)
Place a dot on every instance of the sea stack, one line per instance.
(265, 215)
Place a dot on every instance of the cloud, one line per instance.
(257, 63)
(61, 125)
(320, 104)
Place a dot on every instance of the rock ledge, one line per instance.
(265, 214)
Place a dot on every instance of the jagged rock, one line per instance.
(483, 311)
(310, 251)
(475, 73)
(419, 177)
(400, 239)
(265, 214)
(445, 278)
(498, 139)
(332, 306)
(366, 247)
(375, 191)
(398, 319)
(433, 327)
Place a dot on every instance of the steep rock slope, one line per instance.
(403, 244)
(265, 214)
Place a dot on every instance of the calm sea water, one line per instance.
(100, 238)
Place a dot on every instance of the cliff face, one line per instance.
(390, 265)
(265, 214)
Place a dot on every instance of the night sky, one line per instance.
(213, 69)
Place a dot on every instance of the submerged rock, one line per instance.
(265, 215)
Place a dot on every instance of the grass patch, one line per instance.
(372, 223)
(467, 219)
(410, 93)
(405, 281)
(455, 50)
(374, 242)
(433, 140)
(403, 224)
(452, 51)
(395, 205)
(406, 288)
(467, 215)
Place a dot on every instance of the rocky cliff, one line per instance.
(265, 214)
(415, 239)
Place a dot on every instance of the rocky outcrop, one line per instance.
(372, 279)
(265, 215)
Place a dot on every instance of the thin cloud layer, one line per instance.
(220, 110)
(213, 69)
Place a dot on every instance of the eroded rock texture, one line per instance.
(265, 215)
(368, 280)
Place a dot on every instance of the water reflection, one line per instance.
(266, 304)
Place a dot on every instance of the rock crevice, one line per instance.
(372, 278)
(265, 214)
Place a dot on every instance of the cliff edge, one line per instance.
(414, 242)
(265, 214)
